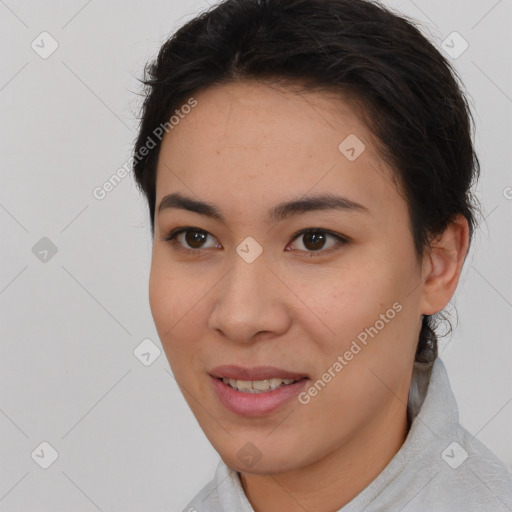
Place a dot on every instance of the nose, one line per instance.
(248, 302)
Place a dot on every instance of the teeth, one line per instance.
(257, 386)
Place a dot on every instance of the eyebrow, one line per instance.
(279, 212)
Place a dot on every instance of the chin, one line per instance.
(260, 468)
(249, 458)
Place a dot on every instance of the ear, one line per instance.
(442, 266)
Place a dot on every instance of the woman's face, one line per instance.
(244, 288)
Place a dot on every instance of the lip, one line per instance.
(229, 371)
(256, 404)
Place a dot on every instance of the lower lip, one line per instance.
(256, 404)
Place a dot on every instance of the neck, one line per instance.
(333, 481)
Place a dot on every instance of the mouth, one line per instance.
(255, 373)
(255, 391)
(258, 386)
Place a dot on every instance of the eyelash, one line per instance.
(341, 240)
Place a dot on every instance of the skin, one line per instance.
(246, 147)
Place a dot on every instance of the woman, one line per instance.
(311, 209)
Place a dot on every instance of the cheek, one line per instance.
(349, 298)
(165, 308)
(175, 303)
(374, 322)
(350, 302)
(162, 295)
(169, 298)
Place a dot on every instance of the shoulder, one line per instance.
(466, 475)
(485, 465)
(223, 493)
(441, 467)
(207, 500)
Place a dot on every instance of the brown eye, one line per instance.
(315, 241)
(190, 239)
(195, 239)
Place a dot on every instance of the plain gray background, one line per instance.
(71, 317)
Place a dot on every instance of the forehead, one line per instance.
(264, 110)
(249, 140)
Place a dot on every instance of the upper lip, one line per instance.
(254, 373)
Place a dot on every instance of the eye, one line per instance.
(314, 239)
(188, 239)
(191, 240)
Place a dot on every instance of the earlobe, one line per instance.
(444, 266)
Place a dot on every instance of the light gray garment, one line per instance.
(428, 473)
